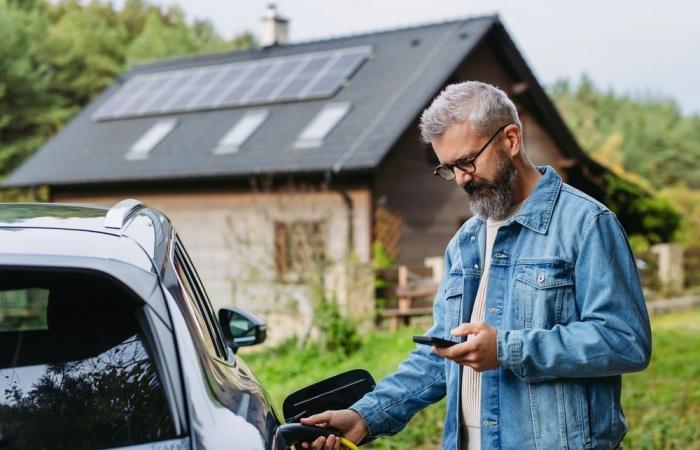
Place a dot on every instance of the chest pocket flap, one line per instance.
(545, 274)
(454, 286)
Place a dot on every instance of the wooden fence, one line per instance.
(691, 266)
(404, 292)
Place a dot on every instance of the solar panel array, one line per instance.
(271, 80)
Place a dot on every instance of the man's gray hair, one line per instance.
(485, 107)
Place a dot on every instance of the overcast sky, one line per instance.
(638, 46)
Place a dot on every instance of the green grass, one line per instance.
(662, 404)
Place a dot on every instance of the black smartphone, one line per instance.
(431, 340)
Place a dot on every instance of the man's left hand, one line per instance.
(479, 352)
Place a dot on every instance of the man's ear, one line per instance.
(514, 140)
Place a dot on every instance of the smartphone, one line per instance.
(434, 341)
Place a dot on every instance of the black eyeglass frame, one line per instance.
(447, 171)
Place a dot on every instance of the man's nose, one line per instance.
(462, 178)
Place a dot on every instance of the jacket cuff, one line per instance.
(373, 415)
(509, 344)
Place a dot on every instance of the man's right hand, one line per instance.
(347, 421)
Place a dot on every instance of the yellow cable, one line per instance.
(348, 444)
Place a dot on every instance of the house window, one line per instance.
(241, 131)
(300, 248)
(312, 136)
(150, 139)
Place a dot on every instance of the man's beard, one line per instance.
(493, 199)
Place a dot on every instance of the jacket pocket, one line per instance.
(544, 292)
(453, 293)
(560, 414)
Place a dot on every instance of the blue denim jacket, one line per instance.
(565, 296)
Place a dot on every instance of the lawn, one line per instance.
(662, 404)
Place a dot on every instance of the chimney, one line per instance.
(275, 27)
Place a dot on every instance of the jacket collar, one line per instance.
(536, 213)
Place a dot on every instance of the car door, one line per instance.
(229, 380)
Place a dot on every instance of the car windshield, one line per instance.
(75, 370)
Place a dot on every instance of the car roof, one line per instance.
(54, 215)
(80, 230)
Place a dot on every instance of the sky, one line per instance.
(640, 47)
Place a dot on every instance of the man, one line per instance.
(540, 290)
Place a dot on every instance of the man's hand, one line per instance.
(347, 421)
(479, 352)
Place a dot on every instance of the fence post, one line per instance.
(671, 267)
(437, 263)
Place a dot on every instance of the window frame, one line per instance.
(200, 298)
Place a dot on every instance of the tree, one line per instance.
(651, 137)
(648, 145)
(57, 56)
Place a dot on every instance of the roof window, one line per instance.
(241, 131)
(312, 136)
(150, 139)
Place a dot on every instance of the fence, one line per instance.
(691, 266)
(404, 292)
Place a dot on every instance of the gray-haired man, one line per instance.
(540, 291)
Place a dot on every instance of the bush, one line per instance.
(338, 333)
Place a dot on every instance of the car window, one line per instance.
(201, 308)
(208, 309)
(75, 369)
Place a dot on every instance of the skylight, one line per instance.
(312, 136)
(241, 131)
(150, 139)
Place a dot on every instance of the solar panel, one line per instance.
(268, 80)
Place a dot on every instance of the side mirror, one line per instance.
(241, 328)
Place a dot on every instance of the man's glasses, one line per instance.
(447, 171)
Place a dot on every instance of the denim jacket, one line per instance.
(565, 296)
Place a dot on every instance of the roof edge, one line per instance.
(165, 64)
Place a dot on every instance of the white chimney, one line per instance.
(275, 27)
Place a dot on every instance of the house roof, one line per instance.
(404, 71)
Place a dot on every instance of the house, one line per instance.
(272, 159)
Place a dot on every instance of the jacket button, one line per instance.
(540, 279)
(472, 238)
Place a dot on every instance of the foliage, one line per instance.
(380, 257)
(644, 134)
(648, 144)
(56, 56)
(662, 403)
(338, 333)
(650, 216)
(687, 201)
